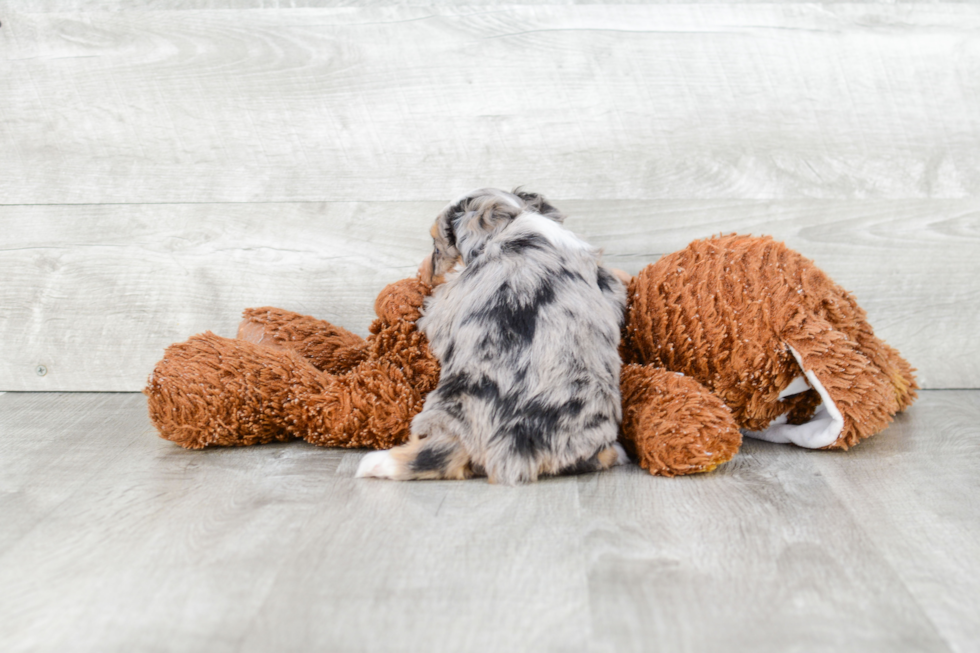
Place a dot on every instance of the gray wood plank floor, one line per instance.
(114, 540)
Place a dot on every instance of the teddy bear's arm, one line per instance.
(328, 347)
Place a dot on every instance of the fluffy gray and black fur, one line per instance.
(526, 327)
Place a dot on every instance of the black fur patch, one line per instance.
(455, 409)
(537, 202)
(597, 420)
(533, 431)
(452, 386)
(454, 213)
(515, 321)
(431, 459)
(475, 253)
(528, 426)
(525, 242)
(606, 280)
(584, 466)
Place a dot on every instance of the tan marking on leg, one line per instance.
(608, 457)
(548, 467)
(625, 277)
(457, 467)
(403, 456)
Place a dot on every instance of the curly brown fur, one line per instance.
(224, 392)
(329, 348)
(672, 425)
(724, 311)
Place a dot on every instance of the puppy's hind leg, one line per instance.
(605, 458)
(433, 457)
(613, 455)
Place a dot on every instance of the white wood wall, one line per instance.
(161, 170)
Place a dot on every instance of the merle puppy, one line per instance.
(525, 322)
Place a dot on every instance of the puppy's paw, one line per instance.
(621, 457)
(377, 464)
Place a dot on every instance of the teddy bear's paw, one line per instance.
(377, 464)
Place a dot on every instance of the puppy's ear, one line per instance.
(444, 230)
(477, 219)
(445, 255)
(539, 204)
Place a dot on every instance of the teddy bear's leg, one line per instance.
(225, 392)
(846, 315)
(370, 407)
(857, 398)
(672, 424)
(895, 368)
(328, 347)
(219, 391)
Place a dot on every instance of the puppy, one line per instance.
(525, 322)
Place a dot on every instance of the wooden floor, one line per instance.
(114, 540)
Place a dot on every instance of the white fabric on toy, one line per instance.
(823, 428)
(795, 387)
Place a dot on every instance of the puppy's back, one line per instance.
(527, 335)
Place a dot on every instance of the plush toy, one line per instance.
(289, 376)
(714, 341)
(789, 351)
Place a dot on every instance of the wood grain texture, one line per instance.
(95, 293)
(399, 103)
(46, 446)
(506, 563)
(761, 556)
(114, 540)
(276, 548)
(62, 6)
(915, 493)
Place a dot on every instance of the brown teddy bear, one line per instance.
(731, 332)
(789, 351)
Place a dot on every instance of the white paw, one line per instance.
(621, 457)
(379, 464)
